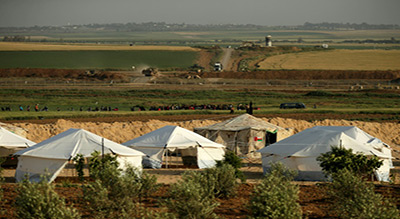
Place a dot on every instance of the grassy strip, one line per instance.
(68, 103)
(96, 59)
(357, 114)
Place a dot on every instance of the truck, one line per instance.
(217, 66)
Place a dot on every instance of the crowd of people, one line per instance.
(231, 107)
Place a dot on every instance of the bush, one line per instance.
(219, 181)
(340, 158)
(353, 197)
(39, 200)
(275, 196)
(190, 198)
(101, 167)
(2, 210)
(113, 192)
(79, 165)
(235, 161)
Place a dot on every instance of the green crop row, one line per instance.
(96, 59)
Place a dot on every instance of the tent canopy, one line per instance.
(68, 144)
(10, 140)
(49, 157)
(317, 140)
(299, 152)
(244, 134)
(172, 137)
(244, 121)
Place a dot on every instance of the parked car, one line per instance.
(292, 106)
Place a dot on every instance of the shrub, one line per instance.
(275, 196)
(100, 167)
(341, 158)
(113, 192)
(353, 197)
(39, 200)
(222, 179)
(190, 199)
(79, 165)
(219, 181)
(1, 184)
(236, 162)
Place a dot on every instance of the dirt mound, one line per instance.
(306, 75)
(64, 74)
(388, 132)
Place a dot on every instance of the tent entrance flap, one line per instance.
(270, 137)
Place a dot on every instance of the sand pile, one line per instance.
(123, 131)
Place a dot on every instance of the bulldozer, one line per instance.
(150, 71)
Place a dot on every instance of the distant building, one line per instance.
(268, 41)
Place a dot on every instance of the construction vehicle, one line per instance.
(150, 71)
(217, 66)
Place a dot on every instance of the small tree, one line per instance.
(235, 161)
(276, 196)
(219, 181)
(353, 197)
(115, 193)
(190, 199)
(341, 158)
(79, 165)
(1, 184)
(39, 200)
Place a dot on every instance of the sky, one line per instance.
(25, 13)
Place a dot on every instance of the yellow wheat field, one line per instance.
(336, 60)
(15, 46)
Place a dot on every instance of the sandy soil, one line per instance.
(122, 131)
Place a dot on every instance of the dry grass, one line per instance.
(336, 60)
(17, 46)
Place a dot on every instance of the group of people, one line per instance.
(198, 107)
(28, 108)
(230, 107)
(184, 107)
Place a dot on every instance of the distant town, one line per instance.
(162, 26)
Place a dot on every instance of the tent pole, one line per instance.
(166, 159)
(236, 143)
(102, 148)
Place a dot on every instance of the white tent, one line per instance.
(11, 143)
(51, 156)
(244, 134)
(299, 152)
(171, 138)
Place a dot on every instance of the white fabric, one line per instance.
(68, 144)
(171, 137)
(35, 168)
(13, 142)
(299, 152)
(154, 143)
(135, 162)
(242, 122)
(53, 153)
(207, 157)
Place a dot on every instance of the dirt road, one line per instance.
(226, 57)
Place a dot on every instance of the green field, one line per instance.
(210, 37)
(367, 102)
(96, 59)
